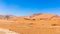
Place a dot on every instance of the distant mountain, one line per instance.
(41, 16)
(32, 24)
(4, 16)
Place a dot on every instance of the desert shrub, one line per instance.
(54, 24)
(26, 18)
(7, 17)
(33, 19)
(43, 18)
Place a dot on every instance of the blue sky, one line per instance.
(27, 7)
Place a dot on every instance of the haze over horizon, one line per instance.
(27, 7)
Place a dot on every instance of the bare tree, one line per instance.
(7, 17)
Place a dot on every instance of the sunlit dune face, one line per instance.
(5, 31)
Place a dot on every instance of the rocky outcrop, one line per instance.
(43, 16)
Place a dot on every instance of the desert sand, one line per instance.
(5, 31)
(33, 24)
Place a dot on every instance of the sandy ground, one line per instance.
(29, 27)
(8, 21)
(5, 31)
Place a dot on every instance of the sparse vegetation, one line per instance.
(33, 19)
(54, 24)
(26, 19)
(31, 25)
(7, 17)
